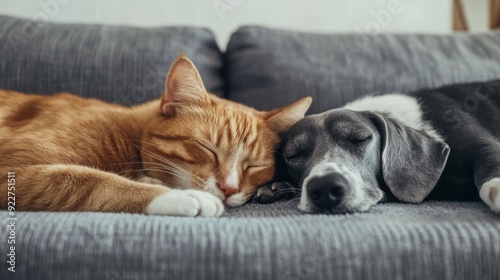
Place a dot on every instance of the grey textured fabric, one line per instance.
(118, 64)
(267, 68)
(434, 240)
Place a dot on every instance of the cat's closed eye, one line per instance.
(207, 149)
(259, 167)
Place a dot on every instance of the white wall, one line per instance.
(224, 16)
(477, 14)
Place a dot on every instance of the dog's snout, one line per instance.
(327, 191)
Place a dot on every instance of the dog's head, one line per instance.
(346, 161)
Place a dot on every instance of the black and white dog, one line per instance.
(439, 144)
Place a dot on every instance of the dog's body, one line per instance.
(440, 144)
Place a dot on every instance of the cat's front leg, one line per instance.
(80, 188)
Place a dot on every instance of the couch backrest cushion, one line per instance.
(267, 68)
(118, 64)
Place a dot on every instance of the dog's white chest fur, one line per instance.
(401, 107)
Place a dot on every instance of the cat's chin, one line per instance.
(236, 200)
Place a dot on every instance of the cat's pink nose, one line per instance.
(228, 190)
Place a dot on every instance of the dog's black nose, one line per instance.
(327, 191)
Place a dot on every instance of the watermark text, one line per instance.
(11, 221)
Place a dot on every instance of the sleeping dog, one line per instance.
(437, 143)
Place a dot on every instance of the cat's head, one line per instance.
(203, 142)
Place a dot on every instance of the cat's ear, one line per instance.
(280, 120)
(183, 87)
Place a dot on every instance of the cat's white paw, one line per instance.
(188, 203)
(150, 180)
(490, 194)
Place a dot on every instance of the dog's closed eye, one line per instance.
(360, 138)
(295, 154)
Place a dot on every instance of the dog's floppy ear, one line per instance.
(412, 161)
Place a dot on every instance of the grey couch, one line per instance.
(264, 68)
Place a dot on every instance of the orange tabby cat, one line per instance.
(180, 155)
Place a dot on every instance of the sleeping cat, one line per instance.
(184, 154)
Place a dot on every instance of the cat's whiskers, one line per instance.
(166, 171)
(133, 162)
(170, 166)
(166, 166)
(166, 163)
(160, 158)
(142, 164)
(163, 170)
